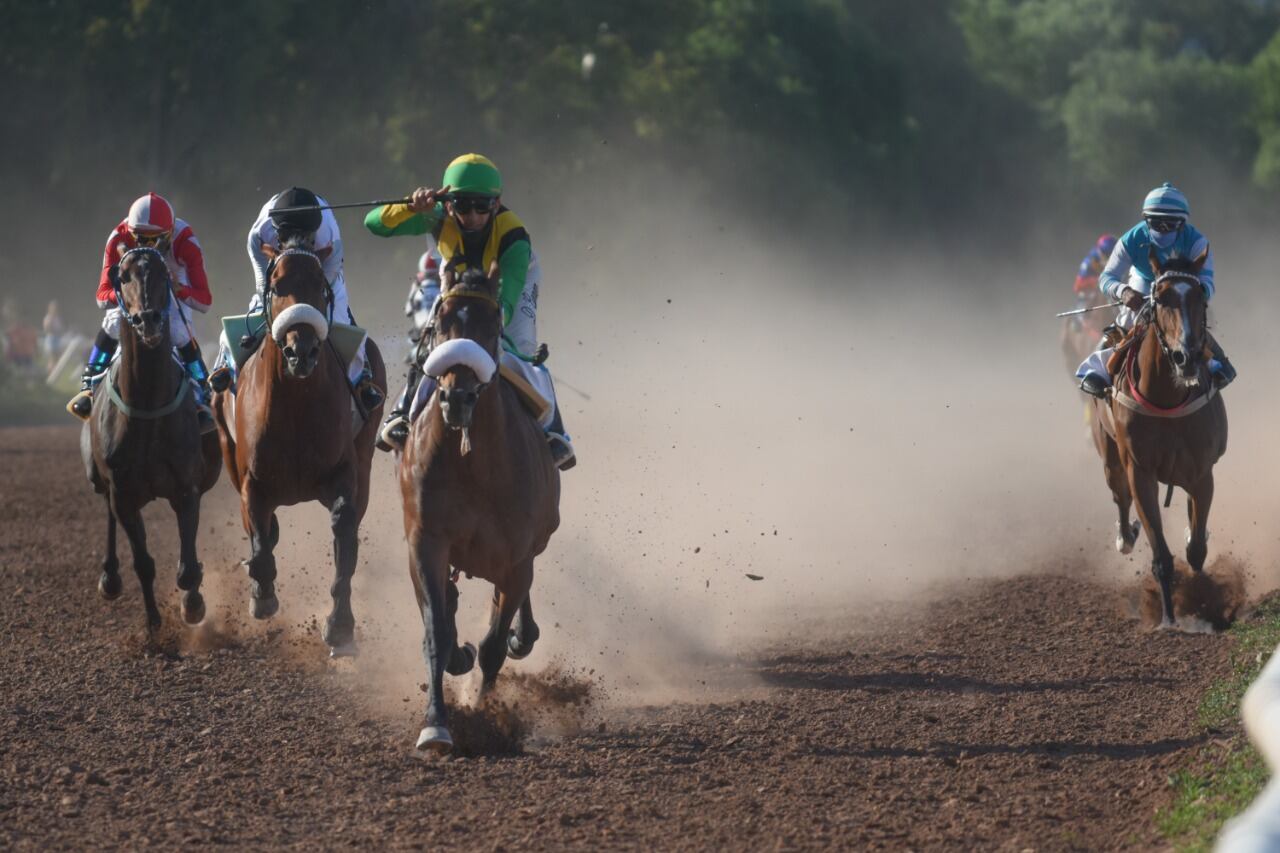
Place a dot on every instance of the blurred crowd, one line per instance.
(31, 347)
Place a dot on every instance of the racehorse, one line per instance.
(1165, 421)
(1082, 332)
(142, 440)
(288, 434)
(480, 492)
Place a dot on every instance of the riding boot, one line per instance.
(371, 396)
(395, 429)
(1095, 385)
(561, 449)
(194, 364)
(104, 346)
(1220, 366)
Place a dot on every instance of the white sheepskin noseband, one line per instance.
(464, 352)
(296, 314)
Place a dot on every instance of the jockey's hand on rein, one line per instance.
(1132, 299)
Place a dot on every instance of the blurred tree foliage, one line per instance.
(876, 109)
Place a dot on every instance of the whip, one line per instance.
(378, 203)
(1087, 310)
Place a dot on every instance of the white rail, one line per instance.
(1258, 828)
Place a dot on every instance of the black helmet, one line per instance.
(298, 221)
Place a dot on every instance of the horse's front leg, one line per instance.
(1199, 499)
(109, 581)
(524, 633)
(130, 518)
(507, 601)
(187, 508)
(429, 565)
(339, 629)
(260, 515)
(1146, 492)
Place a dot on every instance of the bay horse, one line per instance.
(481, 493)
(142, 441)
(288, 435)
(1164, 421)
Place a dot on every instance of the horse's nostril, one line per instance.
(470, 398)
(290, 353)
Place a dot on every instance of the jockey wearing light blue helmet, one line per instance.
(1127, 277)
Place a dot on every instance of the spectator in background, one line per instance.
(54, 331)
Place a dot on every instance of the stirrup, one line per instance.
(81, 405)
(394, 433)
(371, 395)
(562, 453)
(220, 379)
(1094, 385)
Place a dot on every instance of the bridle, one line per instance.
(136, 320)
(269, 292)
(1149, 309)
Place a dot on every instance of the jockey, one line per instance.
(472, 230)
(319, 230)
(151, 224)
(424, 287)
(1127, 278)
(1091, 267)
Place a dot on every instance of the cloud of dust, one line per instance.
(851, 425)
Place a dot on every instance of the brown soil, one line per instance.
(1035, 713)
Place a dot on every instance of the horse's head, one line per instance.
(468, 333)
(296, 303)
(141, 281)
(1180, 314)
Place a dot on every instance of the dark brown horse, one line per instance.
(288, 434)
(1165, 421)
(143, 442)
(481, 494)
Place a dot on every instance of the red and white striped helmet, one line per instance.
(150, 214)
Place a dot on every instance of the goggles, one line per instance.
(149, 238)
(1164, 224)
(473, 204)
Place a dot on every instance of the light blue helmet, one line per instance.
(1166, 200)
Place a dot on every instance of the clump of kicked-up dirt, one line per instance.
(1202, 603)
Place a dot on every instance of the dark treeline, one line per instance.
(892, 115)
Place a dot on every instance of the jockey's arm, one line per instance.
(397, 220)
(110, 255)
(196, 295)
(1115, 275)
(1206, 272)
(257, 259)
(513, 270)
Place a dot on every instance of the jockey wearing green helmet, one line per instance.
(472, 230)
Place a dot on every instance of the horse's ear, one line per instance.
(270, 251)
(494, 283)
(323, 254)
(1154, 260)
(1201, 260)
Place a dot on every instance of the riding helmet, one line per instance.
(297, 221)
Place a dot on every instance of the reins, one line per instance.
(1144, 320)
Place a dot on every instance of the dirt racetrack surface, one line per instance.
(1030, 713)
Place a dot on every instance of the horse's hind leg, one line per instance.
(1118, 481)
(339, 629)
(524, 633)
(1146, 489)
(507, 601)
(263, 603)
(109, 581)
(131, 520)
(1199, 499)
(187, 508)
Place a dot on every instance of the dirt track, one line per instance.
(1028, 713)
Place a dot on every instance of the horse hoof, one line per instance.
(109, 586)
(515, 651)
(1124, 544)
(463, 660)
(436, 739)
(264, 607)
(193, 608)
(344, 650)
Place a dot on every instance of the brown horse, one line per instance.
(481, 493)
(1165, 421)
(143, 442)
(288, 434)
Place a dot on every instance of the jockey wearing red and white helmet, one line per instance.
(151, 224)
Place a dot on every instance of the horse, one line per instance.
(142, 440)
(288, 435)
(480, 491)
(1164, 421)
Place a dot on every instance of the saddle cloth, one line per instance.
(346, 338)
(532, 384)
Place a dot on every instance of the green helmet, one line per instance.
(472, 174)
